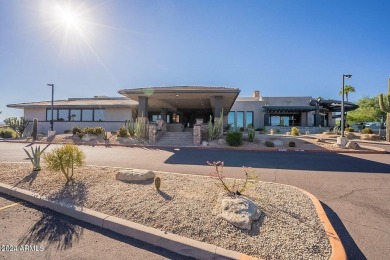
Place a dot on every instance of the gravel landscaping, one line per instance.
(289, 227)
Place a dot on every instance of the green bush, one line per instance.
(234, 138)
(349, 129)
(64, 159)
(278, 131)
(98, 130)
(291, 144)
(367, 131)
(251, 134)
(269, 144)
(7, 133)
(294, 131)
(76, 130)
(122, 132)
(241, 129)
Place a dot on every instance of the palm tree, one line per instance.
(347, 89)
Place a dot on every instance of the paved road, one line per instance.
(55, 236)
(354, 188)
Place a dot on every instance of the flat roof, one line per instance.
(97, 102)
(183, 97)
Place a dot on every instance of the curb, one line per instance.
(374, 151)
(338, 251)
(178, 244)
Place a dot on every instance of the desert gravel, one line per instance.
(187, 205)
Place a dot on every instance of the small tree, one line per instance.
(18, 125)
(64, 159)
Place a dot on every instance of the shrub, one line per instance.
(271, 132)
(234, 138)
(235, 188)
(98, 130)
(35, 157)
(18, 125)
(291, 144)
(215, 129)
(349, 129)
(294, 131)
(367, 131)
(122, 132)
(241, 129)
(269, 144)
(64, 159)
(7, 133)
(76, 130)
(251, 134)
(278, 131)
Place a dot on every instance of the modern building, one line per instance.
(181, 107)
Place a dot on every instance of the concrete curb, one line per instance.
(373, 151)
(181, 245)
(338, 251)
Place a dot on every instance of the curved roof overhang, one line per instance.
(183, 97)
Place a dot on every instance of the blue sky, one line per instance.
(282, 48)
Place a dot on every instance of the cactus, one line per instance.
(157, 183)
(386, 108)
(35, 129)
(35, 157)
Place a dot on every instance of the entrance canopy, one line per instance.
(179, 98)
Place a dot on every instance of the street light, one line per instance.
(342, 106)
(52, 101)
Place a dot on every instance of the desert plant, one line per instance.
(235, 189)
(278, 131)
(367, 131)
(98, 130)
(241, 129)
(35, 129)
(131, 127)
(386, 108)
(294, 131)
(76, 130)
(122, 132)
(269, 143)
(251, 134)
(215, 130)
(291, 144)
(157, 183)
(64, 159)
(234, 138)
(349, 129)
(18, 125)
(7, 133)
(35, 157)
(271, 132)
(105, 135)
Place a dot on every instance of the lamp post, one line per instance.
(52, 101)
(342, 106)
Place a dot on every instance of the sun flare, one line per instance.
(69, 17)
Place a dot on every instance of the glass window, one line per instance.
(63, 115)
(99, 115)
(240, 119)
(75, 115)
(48, 114)
(231, 118)
(249, 119)
(87, 115)
(275, 120)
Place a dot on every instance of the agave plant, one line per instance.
(35, 157)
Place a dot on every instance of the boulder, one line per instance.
(204, 143)
(352, 145)
(134, 175)
(88, 137)
(221, 141)
(240, 212)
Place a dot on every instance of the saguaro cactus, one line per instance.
(386, 108)
(35, 129)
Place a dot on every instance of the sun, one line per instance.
(69, 17)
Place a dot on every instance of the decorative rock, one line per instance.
(240, 212)
(204, 143)
(88, 137)
(278, 143)
(134, 175)
(320, 140)
(349, 135)
(221, 141)
(352, 145)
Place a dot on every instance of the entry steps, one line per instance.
(176, 139)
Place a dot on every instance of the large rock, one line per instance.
(134, 175)
(352, 145)
(204, 143)
(221, 141)
(88, 137)
(240, 212)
